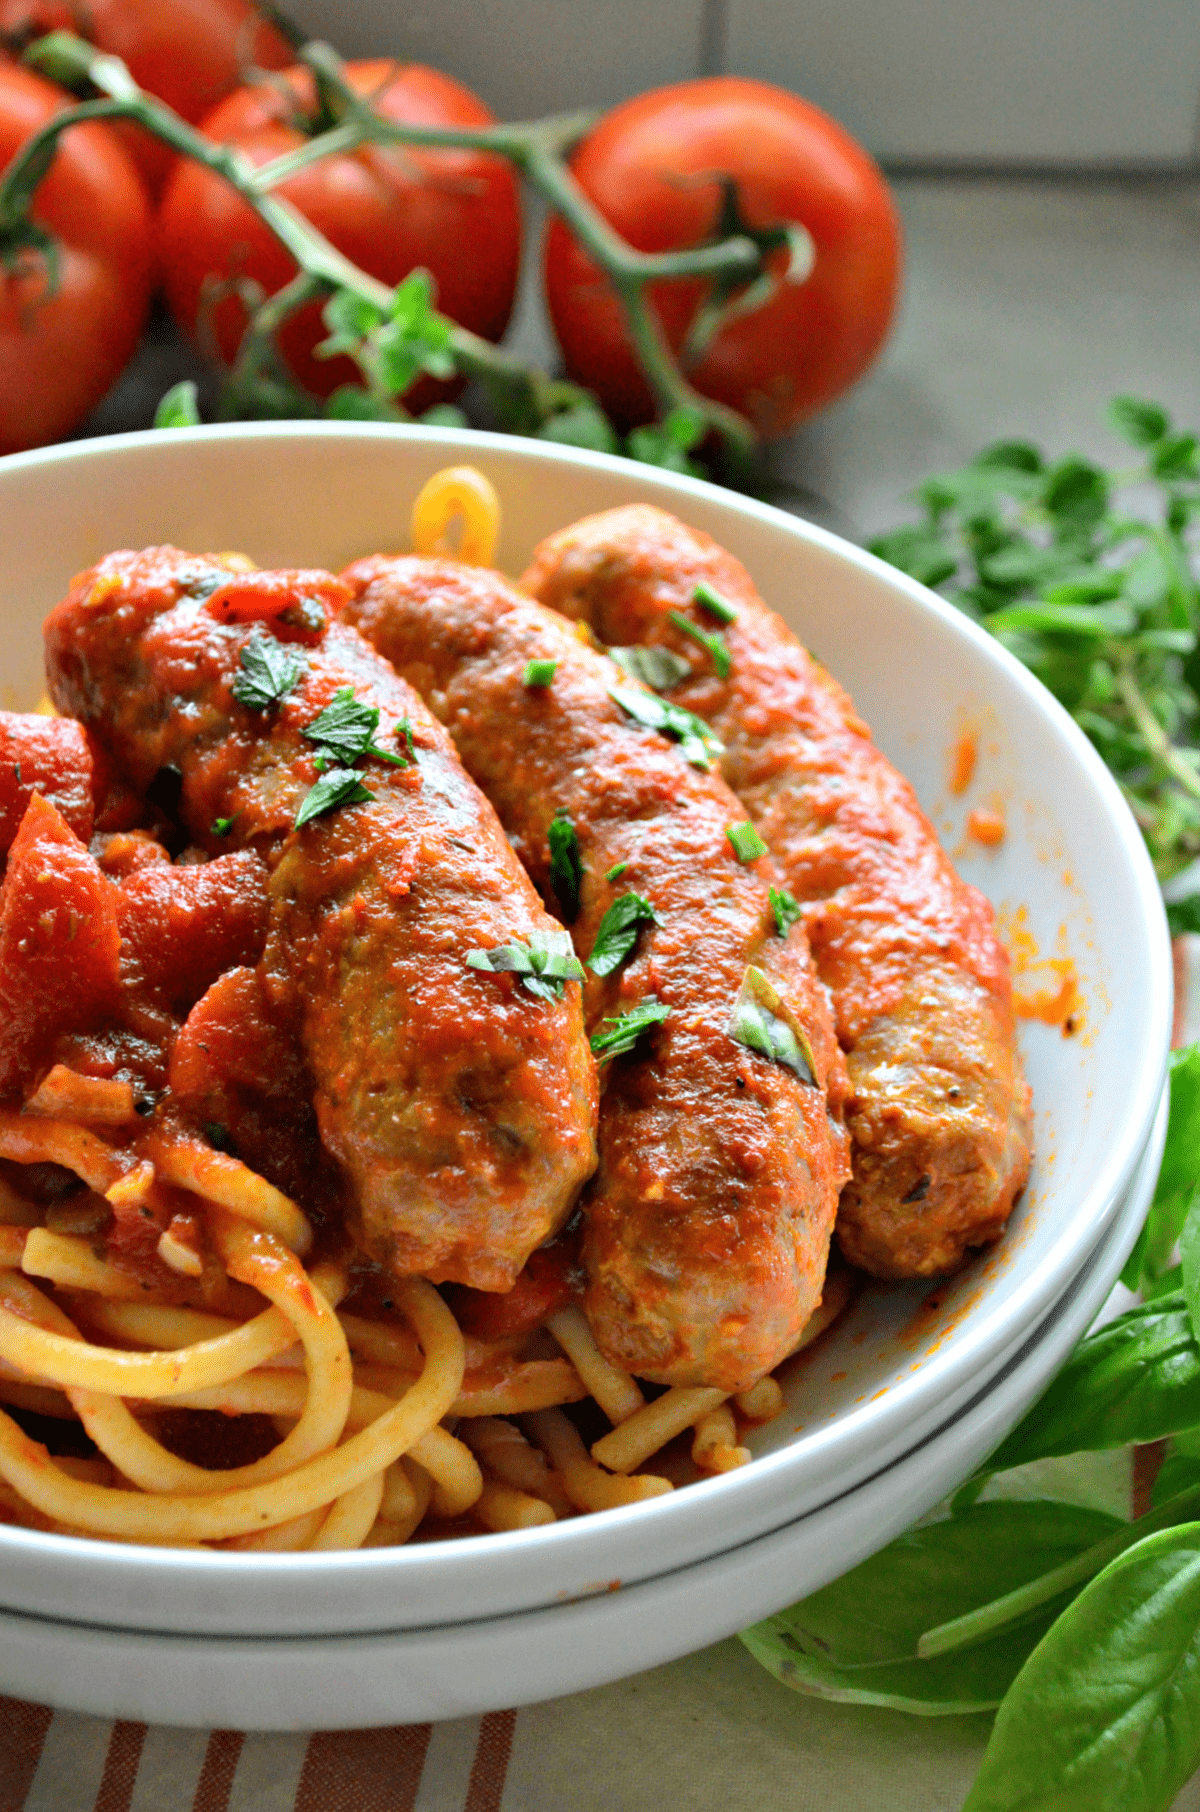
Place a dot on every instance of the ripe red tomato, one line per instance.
(389, 208)
(190, 53)
(63, 344)
(653, 167)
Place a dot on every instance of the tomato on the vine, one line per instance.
(388, 208)
(661, 169)
(73, 295)
(190, 53)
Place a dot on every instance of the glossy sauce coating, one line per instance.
(709, 1220)
(461, 1108)
(939, 1113)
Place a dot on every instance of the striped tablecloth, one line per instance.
(711, 1731)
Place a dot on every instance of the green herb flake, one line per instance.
(697, 744)
(539, 673)
(221, 827)
(339, 786)
(786, 908)
(404, 728)
(543, 964)
(566, 864)
(616, 871)
(627, 1028)
(709, 639)
(765, 1024)
(658, 668)
(180, 407)
(267, 672)
(344, 732)
(714, 603)
(748, 846)
(618, 930)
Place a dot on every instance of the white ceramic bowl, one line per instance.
(1073, 863)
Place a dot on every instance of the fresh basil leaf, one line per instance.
(856, 1640)
(444, 415)
(712, 601)
(584, 424)
(1141, 424)
(180, 407)
(697, 743)
(669, 442)
(711, 640)
(344, 731)
(1177, 1177)
(627, 1028)
(765, 1024)
(543, 964)
(1075, 492)
(1134, 1380)
(539, 673)
(566, 865)
(351, 403)
(786, 908)
(1098, 620)
(340, 786)
(1175, 457)
(349, 318)
(918, 551)
(748, 846)
(1105, 1714)
(1189, 1255)
(1011, 456)
(618, 930)
(267, 672)
(660, 668)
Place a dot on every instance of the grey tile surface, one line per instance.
(1028, 304)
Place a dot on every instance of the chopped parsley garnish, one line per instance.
(539, 673)
(618, 932)
(344, 732)
(766, 1025)
(339, 786)
(658, 668)
(543, 964)
(748, 846)
(696, 741)
(222, 826)
(786, 908)
(616, 871)
(627, 1028)
(404, 728)
(714, 603)
(566, 864)
(267, 672)
(710, 639)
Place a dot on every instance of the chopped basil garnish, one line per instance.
(618, 932)
(344, 732)
(268, 672)
(659, 668)
(765, 1024)
(710, 639)
(222, 827)
(340, 786)
(786, 908)
(616, 871)
(566, 864)
(627, 1028)
(543, 964)
(696, 741)
(748, 846)
(714, 603)
(539, 673)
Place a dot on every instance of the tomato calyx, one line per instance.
(733, 295)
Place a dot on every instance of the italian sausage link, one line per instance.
(709, 1220)
(940, 1113)
(461, 1107)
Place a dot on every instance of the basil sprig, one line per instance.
(345, 731)
(543, 964)
(697, 743)
(618, 930)
(627, 1028)
(765, 1024)
(267, 672)
(659, 668)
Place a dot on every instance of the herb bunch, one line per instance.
(1081, 1631)
(1089, 577)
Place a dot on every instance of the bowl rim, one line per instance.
(974, 1347)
